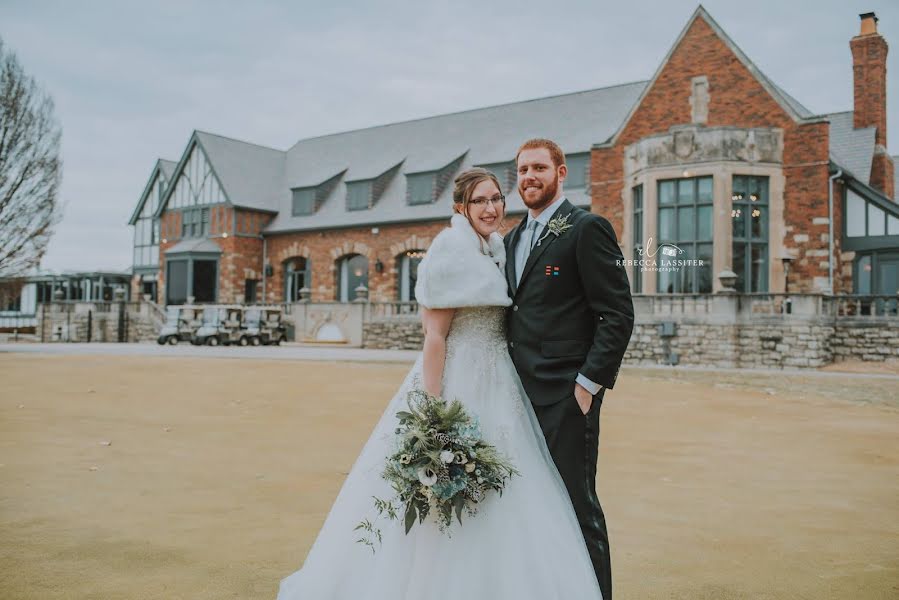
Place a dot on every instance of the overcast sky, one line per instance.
(132, 80)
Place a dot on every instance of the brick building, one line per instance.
(709, 156)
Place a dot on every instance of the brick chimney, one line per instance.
(869, 70)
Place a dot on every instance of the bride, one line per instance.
(525, 544)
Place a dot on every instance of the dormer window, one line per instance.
(365, 193)
(578, 167)
(425, 187)
(303, 202)
(359, 195)
(421, 188)
(505, 172)
(307, 200)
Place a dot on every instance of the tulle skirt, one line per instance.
(525, 544)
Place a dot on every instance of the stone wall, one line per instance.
(95, 322)
(788, 345)
(876, 341)
(773, 345)
(726, 331)
(141, 328)
(79, 322)
(393, 334)
(807, 344)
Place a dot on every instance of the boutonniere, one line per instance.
(556, 226)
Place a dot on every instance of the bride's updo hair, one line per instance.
(465, 183)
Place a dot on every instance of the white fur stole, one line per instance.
(456, 272)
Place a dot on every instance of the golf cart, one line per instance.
(221, 325)
(181, 322)
(263, 325)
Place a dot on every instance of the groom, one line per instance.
(568, 328)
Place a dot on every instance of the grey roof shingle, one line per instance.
(252, 176)
(485, 135)
(850, 148)
(167, 167)
(261, 178)
(202, 245)
(797, 106)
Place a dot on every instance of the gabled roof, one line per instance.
(483, 136)
(166, 167)
(252, 176)
(262, 178)
(797, 106)
(852, 149)
(789, 104)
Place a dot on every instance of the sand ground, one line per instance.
(153, 477)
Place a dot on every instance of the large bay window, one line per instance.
(191, 277)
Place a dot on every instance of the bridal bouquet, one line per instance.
(441, 465)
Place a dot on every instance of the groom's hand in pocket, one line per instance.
(584, 398)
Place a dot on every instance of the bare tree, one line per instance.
(10, 291)
(30, 169)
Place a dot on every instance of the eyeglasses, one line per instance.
(498, 200)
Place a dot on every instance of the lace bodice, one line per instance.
(477, 328)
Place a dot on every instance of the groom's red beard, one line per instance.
(545, 198)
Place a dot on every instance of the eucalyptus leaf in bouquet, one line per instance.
(441, 466)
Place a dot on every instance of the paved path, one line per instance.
(330, 354)
(285, 352)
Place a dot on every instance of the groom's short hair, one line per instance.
(555, 152)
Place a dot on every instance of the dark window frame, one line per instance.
(746, 240)
(692, 246)
(637, 237)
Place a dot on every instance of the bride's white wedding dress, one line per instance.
(525, 544)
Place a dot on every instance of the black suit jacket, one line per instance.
(572, 311)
